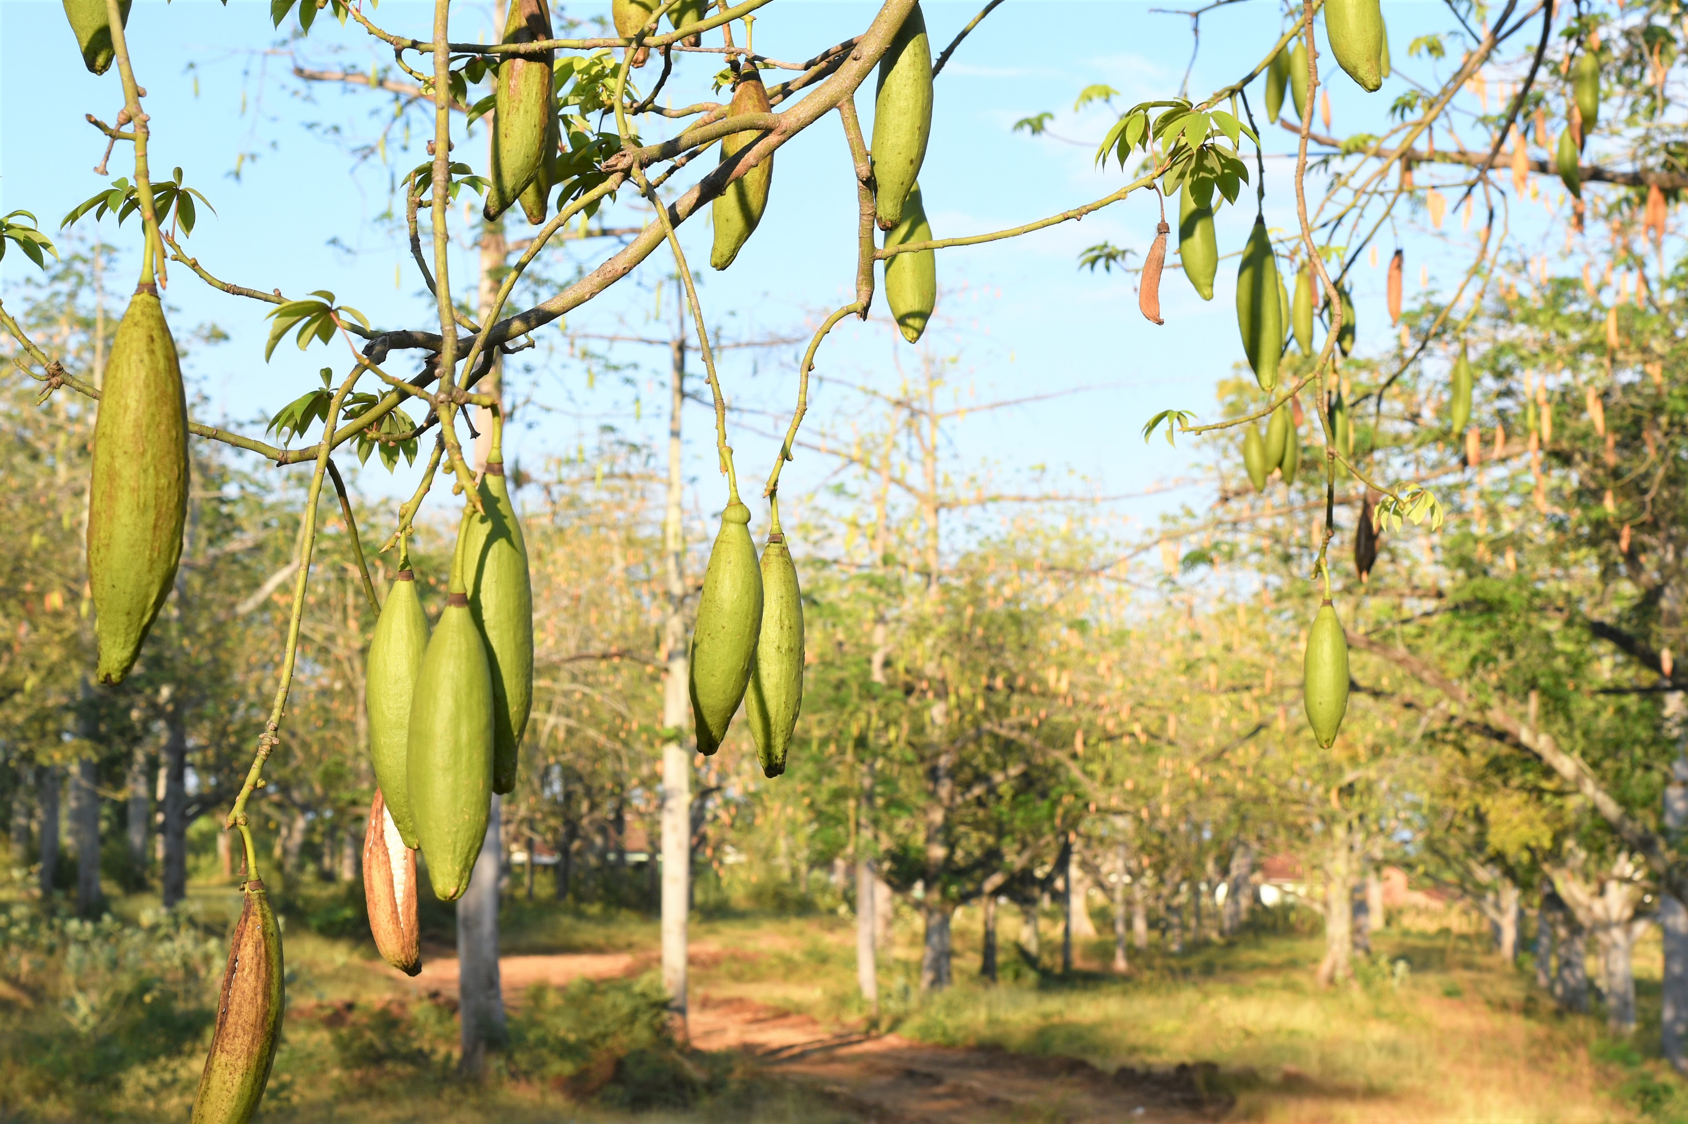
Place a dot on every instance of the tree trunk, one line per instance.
(480, 998)
(676, 868)
(935, 958)
(1139, 915)
(1175, 926)
(140, 810)
(1673, 917)
(85, 818)
(21, 817)
(987, 957)
(1237, 889)
(1570, 985)
(1506, 928)
(351, 853)
(295, 842)
(1336, 967)
(1084, 926)
(1617, 955)
(867, 927)
(1544, 948)
(1067, 911)
(1361, 905)
(173, 873)
(565, 862)
(884, 914)
(1030, 939)
(676, 757)
(47, 784)
(1121, 920)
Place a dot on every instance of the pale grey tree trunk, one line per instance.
(884, 914)
(1238, 889)
(480, 995)
(140, 808)
(85, 818)
(1030, 939)
(1570, 985)
(1544, 948)
(47, 786)
(173, 870)
(935, 957)
(676, 756)
(351, 852)
(1673, 917)
(1122, 921)
(1506, 924)
(987, 955)
(867, 956)
(1339, 907)
(1617, 954)
(1139, 915)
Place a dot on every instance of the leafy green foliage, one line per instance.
(1106, 255)
(172, 202)
(461, 176)
(1174, 419)
(317, 320)
(34, 244)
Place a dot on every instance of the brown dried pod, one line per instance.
(248, 1017)
(1365, 539)
(1396, 265)
(1148, 292)
(389, 888)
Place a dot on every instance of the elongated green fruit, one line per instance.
(902, 117)
(1566, 158)
(389, 889)
(1277, 436)
(1459, 397)
(1355, 30)
(729, 622)
(450, 753)
(738, 209)
(536, 196)
(1585, 88)
(91, 21)
(1325, 675)
(138, 495)
(1292, 452)
(1298, 78)
(911, 280)
(395, 661)
(1277, 83)
(775, 694)
(1301, 310)
(249, 1010)
(631, 15)
(522, 108)
(1283, 312)
(686, 13)
(1345, 338)
(495, 570)
(1198, 246)
(1254, 457)
(1258, 316)
(1384, 66)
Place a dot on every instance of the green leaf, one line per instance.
(1175, 420)
(1035, 125)
(1094, 93)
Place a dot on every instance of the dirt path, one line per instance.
(888, 1079)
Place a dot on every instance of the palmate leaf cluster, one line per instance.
(393, 436)
(172, 202)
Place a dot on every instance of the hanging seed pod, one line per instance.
(138, 493)
(249, 1011)
(1396, 265)
(1254, 457)
(389, 888)
(1277, 83)
(1291, 463)
(1383, 66)
(1345, 338)
(1301, 310)
(451, 744)
(1459, 395)
(1341, 427)
(536, 196)
(775, 694)
(1298, 78)
(1365, 539)
(686, 13)
(1284, 317)
(495, 570)
(629, 17)
(1198, 246)
(902, 117)
(1585, 88)
(91, 21)
(729, 622)
(1258, 316)
(1325, 675)
(739, 208)
(1148, 289)
(522, 108)
(1277, 437)
(1566, 160)
(911, 280)
(395, 661)
(1355, 31)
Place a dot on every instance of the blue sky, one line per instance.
(1019, 318)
